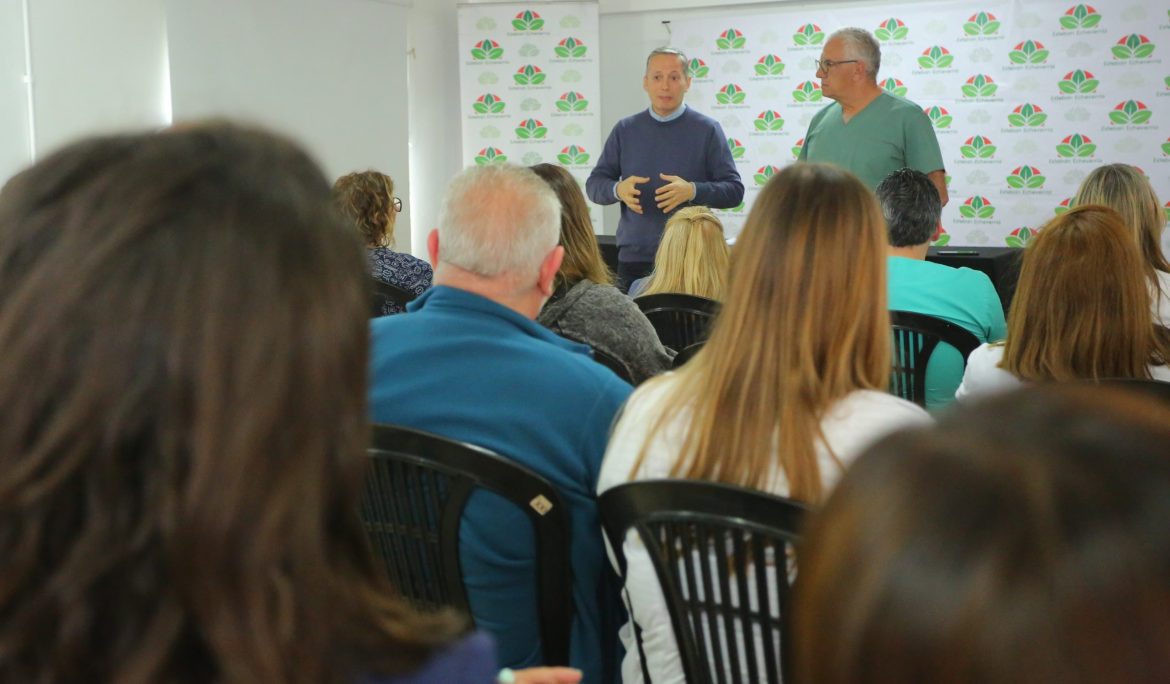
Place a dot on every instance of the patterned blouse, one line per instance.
(399, 269)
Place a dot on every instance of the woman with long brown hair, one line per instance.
(692, 257)
(1127, 191)
(789, 387)
(1081, 310)
(183, 342)
(585, 306)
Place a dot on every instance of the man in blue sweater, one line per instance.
(658, 160)
(467, 361)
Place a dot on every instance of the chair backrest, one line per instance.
(721, 556)
(915, 338)
(383, 293)
(416, 489)
(614, 364)
(679, 319)
(686, 353)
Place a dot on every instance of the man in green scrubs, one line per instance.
(867, 130)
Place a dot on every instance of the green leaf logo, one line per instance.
(979, 85)
(769, 121)
(528, 75)
(528, 21)
(891, 29)
(893, 85)
(1080, 17)
(1026, 177)
(941, 238)
(1028, 52)
(936, 57)
(697, 68)
(730, 94)
(490, 155)
(809, 34)
(981, 24)
(1166, 148)
(487, 49)
(1166, 209)
(731, 39)
(488, 104)
(1076, 145)
(1020, 237)
(977, 147)
(573, 154)
(1063, 206)
(1133, 46)
(570, 47)
(977, 207)
(939, 116)
(765, 173)
(1130, 112)
(531, 129)
(1079, 81)
(736, 147)
(807, 92)
(797, 148)
(1027, 116)
(572, 102)
(769, 65)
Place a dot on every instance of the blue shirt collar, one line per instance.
(669, 117)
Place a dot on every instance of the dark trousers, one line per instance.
(629, 271)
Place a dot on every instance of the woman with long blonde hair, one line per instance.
(692, 258)
(789, 387)
(1081, 310)
(1125, 190)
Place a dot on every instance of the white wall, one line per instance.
(331, 73)
(14, 134)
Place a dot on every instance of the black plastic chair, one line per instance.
(708, 541)
(915, 338)
(686, 353)
(679, 319)
(383, 293)
(416, 489)
(614, 364)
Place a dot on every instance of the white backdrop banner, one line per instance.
(1026, 97)
(529, 83)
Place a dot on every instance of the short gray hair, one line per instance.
(686, 63)
(911, 206)
(498, 219)
(860, 44)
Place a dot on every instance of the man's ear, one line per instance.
(549, 268)
(433, 247)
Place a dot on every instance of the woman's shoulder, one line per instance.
(471, 659)
(984, 375)
(862, 417)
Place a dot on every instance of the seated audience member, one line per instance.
(1081, 310)
(367, 199)
(1125, 190)
(183, 342)
(471, 364)
(962, 296)
(790, 386)
(692, 257)
(585, 306)
(1023, 539)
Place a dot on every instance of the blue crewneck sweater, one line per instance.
(692, 147)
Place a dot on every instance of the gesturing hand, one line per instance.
(628, 192)
(675, 192)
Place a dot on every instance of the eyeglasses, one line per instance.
(827, 64)
(397, 202)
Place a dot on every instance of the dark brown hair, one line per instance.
(366, 198)
(1021, 539)
(582, 255)
(183, 347)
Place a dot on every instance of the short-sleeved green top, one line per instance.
(889, 134)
